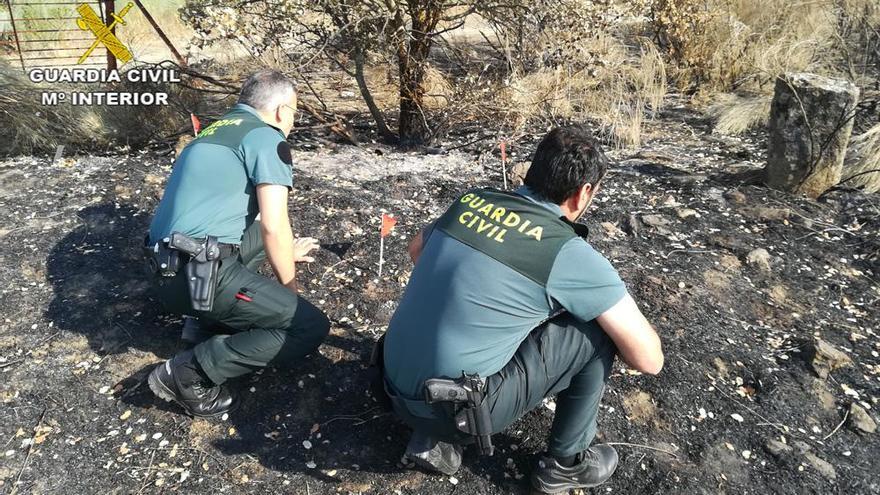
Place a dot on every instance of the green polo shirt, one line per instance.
(212, 188)
(464, 310)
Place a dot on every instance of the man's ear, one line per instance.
(278, 114)
(586, 192)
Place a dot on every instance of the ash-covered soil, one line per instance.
(739, 408)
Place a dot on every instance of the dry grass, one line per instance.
(139, 36)
(29, 126)
(741, 46)
(861, 166)
(618, 94)
(747, 43)
(735, 114)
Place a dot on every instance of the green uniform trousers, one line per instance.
(266, 325)
(564, 356)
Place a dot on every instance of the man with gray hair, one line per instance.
(206, 244)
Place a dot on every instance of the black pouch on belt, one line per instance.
(202, 269)
(161, 260)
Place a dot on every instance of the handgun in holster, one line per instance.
(202, 269)
(467, 394)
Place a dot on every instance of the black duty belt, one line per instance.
(199, 258)
(226, 250)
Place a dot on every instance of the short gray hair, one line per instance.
(267, 89)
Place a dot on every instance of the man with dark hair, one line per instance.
(508, 295)
(206, 244)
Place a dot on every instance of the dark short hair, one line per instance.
(566, 159)
(267, 89)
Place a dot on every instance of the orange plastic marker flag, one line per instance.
(197, 125)
(388, 223)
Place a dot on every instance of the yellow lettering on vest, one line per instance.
(467, 197)
(473, 221)
(511, 220)
(486, 210)
(500, 236)
(524, 226)
(536, 232)
(492, 232)
(484, 226)
(498, 214)
(237, 121)
(477, 202)
(464, 216)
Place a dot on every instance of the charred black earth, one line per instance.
(767, 306)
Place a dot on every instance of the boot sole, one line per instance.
(567, 488)
(161, 391)
(564, 487)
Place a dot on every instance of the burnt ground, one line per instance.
(80, 331)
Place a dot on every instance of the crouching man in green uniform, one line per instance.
(237, 167)
(505, 287)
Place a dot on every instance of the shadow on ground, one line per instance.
(100, 287)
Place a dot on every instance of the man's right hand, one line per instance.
(302, 247)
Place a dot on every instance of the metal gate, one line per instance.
(50, 33)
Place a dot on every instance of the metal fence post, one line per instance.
(15, 33)
(109, 10)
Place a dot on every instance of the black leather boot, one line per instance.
(180, 379)
(432, 454)
(592, 468)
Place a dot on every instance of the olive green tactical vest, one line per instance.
(231, 129)
(511, 229)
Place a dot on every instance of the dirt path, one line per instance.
(737, 409)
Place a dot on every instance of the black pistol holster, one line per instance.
(202, 259)
(202, 269)
(467, 395)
